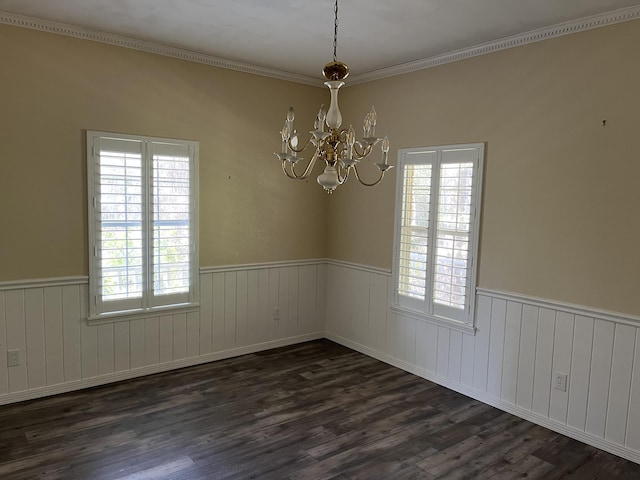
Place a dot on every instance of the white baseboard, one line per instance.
(561, 428)
(151, 369)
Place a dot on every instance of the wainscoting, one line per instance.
(46, 321)
(509, 363)
(511, 360)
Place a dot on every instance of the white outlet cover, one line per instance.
(13, 358)
(561, 381)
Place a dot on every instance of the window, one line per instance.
(142, 223)
(436, 232)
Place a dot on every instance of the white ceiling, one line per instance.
(296, 36)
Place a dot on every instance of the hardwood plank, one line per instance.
(315, 410)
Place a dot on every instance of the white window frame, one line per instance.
(149, 303)
(427, 309)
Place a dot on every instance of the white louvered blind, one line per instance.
(414, 229)
(451, 270)
(437, 230)
(172, 217)
(142, 222)
(118, 181)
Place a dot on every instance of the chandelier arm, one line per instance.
(311, 164)
(363, 153)
(300, 149)
(284, 169)
(307, 170)
(343, 173)
(355, 169)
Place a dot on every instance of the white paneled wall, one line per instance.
(510, 362)
(512, 359)
(46, 322)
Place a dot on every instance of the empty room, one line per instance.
(337, 239)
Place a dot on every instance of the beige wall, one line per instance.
(561, 197)
(56, 87)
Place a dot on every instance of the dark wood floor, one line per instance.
(310, 411)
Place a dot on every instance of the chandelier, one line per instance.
(339, 149)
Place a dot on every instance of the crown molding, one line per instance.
(559, 30)
(149, 47)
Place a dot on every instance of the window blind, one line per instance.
(142, 222)
(171, 222)
(452, 234)
(119, 223)
(436, 230)
(414, 233)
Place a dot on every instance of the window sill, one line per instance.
(434, 319)
(127, 315)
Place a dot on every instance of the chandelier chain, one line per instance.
(335, 33)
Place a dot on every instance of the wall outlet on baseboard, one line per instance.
(560, 381)
(13, 358)
(276, 314)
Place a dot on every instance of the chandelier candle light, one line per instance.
(339, 149)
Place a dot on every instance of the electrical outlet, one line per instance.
(561, 381)
(13, 358)
(276, 314)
